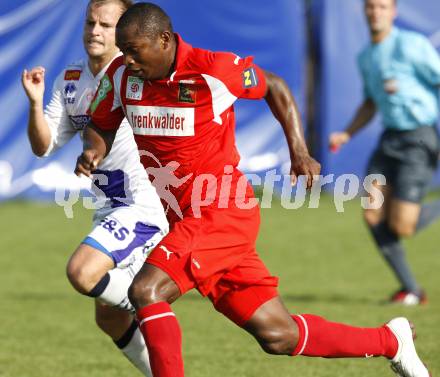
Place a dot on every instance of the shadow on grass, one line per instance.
(37, 296)
(309, 298)
(333, 299)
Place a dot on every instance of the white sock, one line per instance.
(135, 350)
(115, 292)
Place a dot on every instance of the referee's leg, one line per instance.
(387, 239)
(403, 217)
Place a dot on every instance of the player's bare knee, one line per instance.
(81, 278)
(152, 285)
(142, 293)
(77, 278)
(403, 229)
(278, 341)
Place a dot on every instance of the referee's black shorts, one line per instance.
(408, 160)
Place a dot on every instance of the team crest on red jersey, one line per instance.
(72, 74)
(135, 87)
(186, 93)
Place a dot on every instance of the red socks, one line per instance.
(319, 337)
(163, 338)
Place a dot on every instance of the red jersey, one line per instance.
(187, 117)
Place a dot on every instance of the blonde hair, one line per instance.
(124, 4)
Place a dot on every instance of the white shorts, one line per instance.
(124, 235)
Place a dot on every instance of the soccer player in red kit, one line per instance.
(179, 102)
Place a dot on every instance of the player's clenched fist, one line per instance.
(33, 84)
(304, 165)
(87, 162)
(337, 139)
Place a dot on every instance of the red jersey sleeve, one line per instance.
(106, 109)
(242, 77)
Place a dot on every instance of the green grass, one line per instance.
(325, 260)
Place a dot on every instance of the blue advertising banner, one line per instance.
(48, 33)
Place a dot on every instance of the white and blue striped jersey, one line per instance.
(120, 179)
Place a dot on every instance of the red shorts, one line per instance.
(237, 293)
(215, 254)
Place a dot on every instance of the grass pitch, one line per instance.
(326, 262)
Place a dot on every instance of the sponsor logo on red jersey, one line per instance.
(72, 74)
(161, 121)
(135, 87)
(186, 93)
(249, 78)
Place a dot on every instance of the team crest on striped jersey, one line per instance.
(135, 87)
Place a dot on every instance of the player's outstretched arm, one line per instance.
(364, 114)
(38, 129)
(284, 108)
(97, 144)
